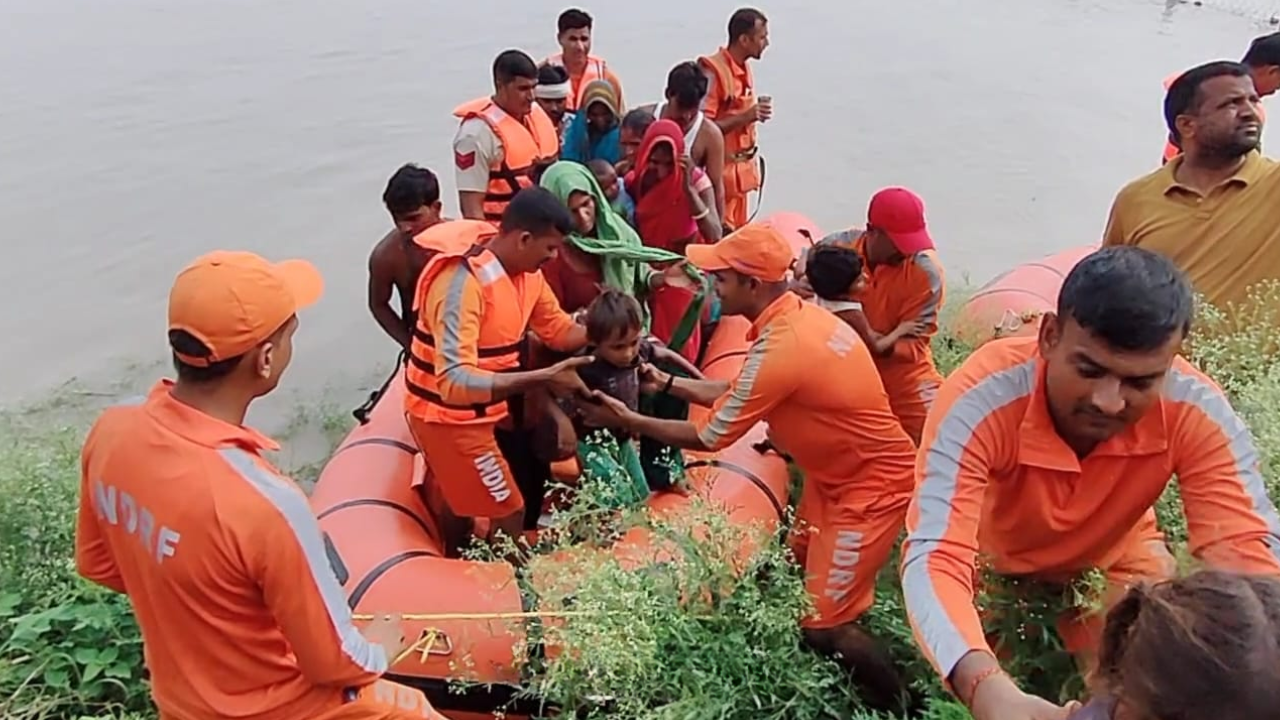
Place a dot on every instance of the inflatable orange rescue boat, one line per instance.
(1012, 303)
(387, 554)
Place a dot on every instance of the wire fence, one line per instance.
(1263, 11)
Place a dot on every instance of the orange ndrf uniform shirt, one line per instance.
(474, 477)
(810, 376)
(223, 562)
(993, 476)
(1227, 240)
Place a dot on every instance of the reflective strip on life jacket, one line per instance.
(739, 145)
(527, 148)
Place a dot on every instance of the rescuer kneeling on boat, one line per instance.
(474, 310)
(807, 374)
(221, 558)
(1047, 455)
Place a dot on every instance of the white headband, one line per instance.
(559, 91)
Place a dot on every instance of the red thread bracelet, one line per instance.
(981, 678)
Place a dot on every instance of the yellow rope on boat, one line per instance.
(440, 617)
(425, 645)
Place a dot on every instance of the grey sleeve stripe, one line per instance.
(723, 420)
(934, 499)
(1188, 388)
(931, 309)
(293, 507)
(451, 344)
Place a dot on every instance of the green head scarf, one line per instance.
(624, 260)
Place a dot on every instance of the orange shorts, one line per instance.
(383, 700)
(842, 547)
(468, 468)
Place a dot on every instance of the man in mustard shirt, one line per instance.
(1215, 209)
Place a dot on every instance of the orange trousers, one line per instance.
(468, 469)
(842, 546)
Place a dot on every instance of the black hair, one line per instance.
(1263, 51)
(184, 342)
(573, 19)
(512, 64)
(638, 120)
(410, 188)
(612, 311)
(743, 22)
(1184, 94)
(536, 210)
(550, 74)
(598, 166)
(1131, 298)
(686, 84)
(832, 269)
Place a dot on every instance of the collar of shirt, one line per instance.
(738, 69)
(1039, 444)
(882, 273)
(199, 427)
(780, 308)
(1248, 173)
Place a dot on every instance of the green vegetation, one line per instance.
(711, 633)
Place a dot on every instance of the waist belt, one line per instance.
(746, 155)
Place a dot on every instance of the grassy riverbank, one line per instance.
(687, 641)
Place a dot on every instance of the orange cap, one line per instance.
(232, 301)
(755, 250)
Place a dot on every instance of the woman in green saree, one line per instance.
(606, 252)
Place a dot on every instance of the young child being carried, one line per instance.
(615, 332)
(834, 273)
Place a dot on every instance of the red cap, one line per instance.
(755, 250)
(900, 214)
(232, 301)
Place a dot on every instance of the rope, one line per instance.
(442, 617)
(361, 414)
(760, 192)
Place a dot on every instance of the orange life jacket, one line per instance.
(451, 237)
(595, 71)
(527, 148)
(739, 145)
(508, 304)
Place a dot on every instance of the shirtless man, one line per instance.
(413, 199)
(686, 88)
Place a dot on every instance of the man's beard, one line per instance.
(1234, 147)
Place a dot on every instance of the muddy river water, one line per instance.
(137, 134)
